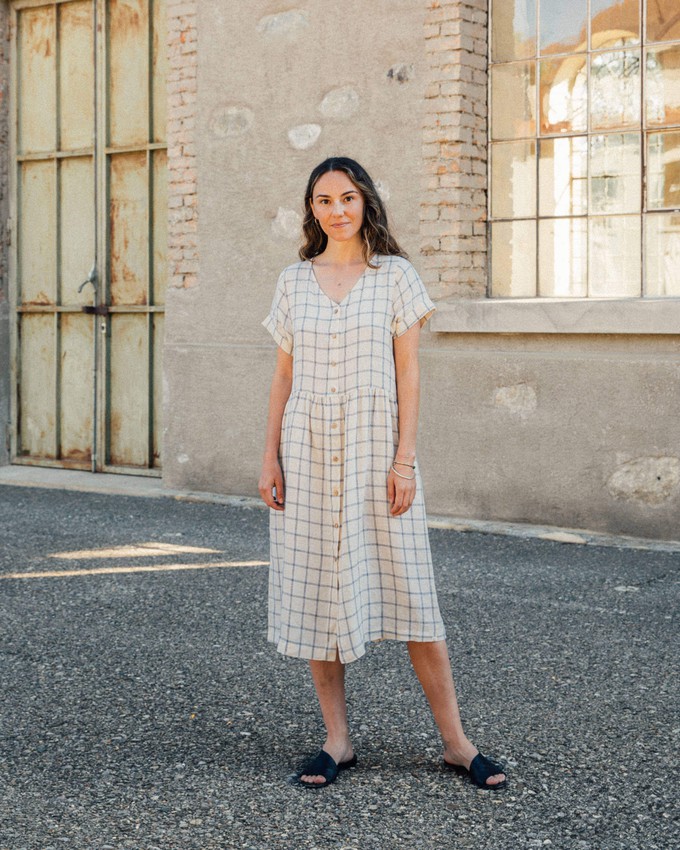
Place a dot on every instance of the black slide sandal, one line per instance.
(481, 768)
(326, 766)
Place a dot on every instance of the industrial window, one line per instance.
(585, 148)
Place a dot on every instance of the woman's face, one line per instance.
(338, 206)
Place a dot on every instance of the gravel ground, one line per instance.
(145, 710)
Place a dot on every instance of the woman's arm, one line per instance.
(400, 491)
(271, 475)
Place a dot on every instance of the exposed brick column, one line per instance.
(453, 202)
(182, 195)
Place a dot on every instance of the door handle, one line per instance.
(91, 278)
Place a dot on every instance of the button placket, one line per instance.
(335, 483)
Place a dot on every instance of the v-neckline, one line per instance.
(356, 283)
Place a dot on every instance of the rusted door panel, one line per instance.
(76, 388)
(37, 232)
(90, 183)
(36, 58)
(129, 222)
(38, 397)
(128, 74)
(129, 400)
(158, 326)
(159, 70)
(77, 217)
(76, 75)
(159, 193)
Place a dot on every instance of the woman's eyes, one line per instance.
(347, 199)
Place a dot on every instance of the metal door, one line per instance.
(89, 218)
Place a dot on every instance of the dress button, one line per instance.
(334, 336)
(337, 525)
(334, 425)
(335, 458)
(336, 310)
(333, 389)
(333, 363)
(336, 492)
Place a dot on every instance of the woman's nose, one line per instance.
(337, 208)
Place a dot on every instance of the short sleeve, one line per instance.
(278, 322)
(410, 300)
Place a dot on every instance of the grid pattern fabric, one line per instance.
(343, 570)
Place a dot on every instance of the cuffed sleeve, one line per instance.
(410, 300)
(278, 322)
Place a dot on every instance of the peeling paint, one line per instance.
(228, 121)
(402, 73)
(646, 480)
(517, 399)
(340, 103)
(287, 224)
(304, 136)
(291, 22)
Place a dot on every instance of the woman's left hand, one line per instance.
(400, 492)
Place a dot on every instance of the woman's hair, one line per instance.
(375, 231)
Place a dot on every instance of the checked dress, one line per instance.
(343, 570)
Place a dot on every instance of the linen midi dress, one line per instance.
(343, 570)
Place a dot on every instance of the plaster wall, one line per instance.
(576, 430)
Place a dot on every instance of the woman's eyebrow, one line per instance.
(350, 192)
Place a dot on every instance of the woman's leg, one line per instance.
(431, 662)
(329, 681)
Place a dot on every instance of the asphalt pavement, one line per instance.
(141, 707)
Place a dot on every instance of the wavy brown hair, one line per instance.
(375, 231)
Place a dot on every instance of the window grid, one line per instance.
(640, 49)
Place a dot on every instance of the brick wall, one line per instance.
(453, 202)
(182, 197)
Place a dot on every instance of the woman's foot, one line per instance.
(340, 752)
(463, 757)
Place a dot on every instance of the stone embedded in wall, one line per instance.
(304, 136)
(646, 480)
(342, 102)
(402, 73)
(291, 22)
(517, 399)
(287, 224)
(382, 189)
(229, 121)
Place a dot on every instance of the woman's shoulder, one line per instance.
(394, 264)
(292, 271)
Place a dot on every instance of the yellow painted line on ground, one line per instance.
(155, 568)
(140, 550)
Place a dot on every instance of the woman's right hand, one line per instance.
(270, 478)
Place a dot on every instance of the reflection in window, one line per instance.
(569, 217)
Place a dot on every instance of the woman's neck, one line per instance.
(343, 253)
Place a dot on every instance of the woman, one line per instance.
(350, 555)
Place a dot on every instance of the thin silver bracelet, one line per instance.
(403, 463)
(407, 477)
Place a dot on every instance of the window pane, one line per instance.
(615, 173)
(513, 98)
(513, 178)
(663, 20)
(513, 259)
(615, 89)
(563, 95)
(562, 25)
(614, 256)
(563, 176)
(563, 257)
(663, 254)
(662, 94)
(663, 170)
(513, 34)
(614, 19)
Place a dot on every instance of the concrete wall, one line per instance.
(4, 242)
(577, 430)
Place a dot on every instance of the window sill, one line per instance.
(558, 315)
